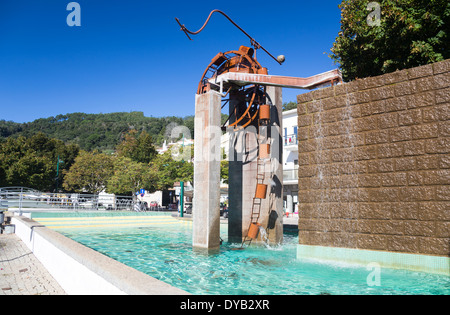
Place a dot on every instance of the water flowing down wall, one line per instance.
(374, 163)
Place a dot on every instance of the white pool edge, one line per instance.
(413, 262)
(80, 270)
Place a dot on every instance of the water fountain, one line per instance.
(254, 102)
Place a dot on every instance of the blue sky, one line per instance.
(132, 56)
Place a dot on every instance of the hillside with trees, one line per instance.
(89, 153)
(50, 165)
(101, 132)
(33, 162)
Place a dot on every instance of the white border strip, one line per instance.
(80, 270)
(391, 260)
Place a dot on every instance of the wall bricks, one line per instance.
(374, 166)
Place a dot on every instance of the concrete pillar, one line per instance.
(206, 202)
(235, 177)
(242, 175)
(249, 171)
(273, 221)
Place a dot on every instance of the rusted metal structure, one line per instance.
(237, 61)
(238, 75)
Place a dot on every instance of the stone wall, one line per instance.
(374, 163)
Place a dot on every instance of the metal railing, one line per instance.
(26, 199)
(290, 140)
(290, 175)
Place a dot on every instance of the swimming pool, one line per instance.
(161, 246)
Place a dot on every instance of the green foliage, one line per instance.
(411, 33)
(129, 176)
(224, 171)
(139, 148)
(128, 162)
(289, 106)
(32, 162)
(32, 170)
(169, 170)
(89, 173)
(94, 131)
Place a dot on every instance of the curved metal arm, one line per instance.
(254, 43)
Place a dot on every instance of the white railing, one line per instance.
(290, 175)
(290, 140)
(21, 199)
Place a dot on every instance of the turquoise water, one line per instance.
(165, 253)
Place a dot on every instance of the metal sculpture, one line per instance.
(245, 80)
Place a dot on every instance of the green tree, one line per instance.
(167, 170)
(32, 162)
(129, 176)
(32, 170)
(89, 173)
(289, 106)
(224, 167)
(410, 33)
(224, 171)
(95, 131)
(139, 148)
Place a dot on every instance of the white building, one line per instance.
(180, 143)
(290, 161)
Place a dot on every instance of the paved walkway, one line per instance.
(20, 271)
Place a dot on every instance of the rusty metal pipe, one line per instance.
(252, 40)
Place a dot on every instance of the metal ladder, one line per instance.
(256, 204)
(260, 178)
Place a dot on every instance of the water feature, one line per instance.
(161, 247)
(264, 236)
(336, 181)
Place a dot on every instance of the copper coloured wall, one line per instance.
(374, 163)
